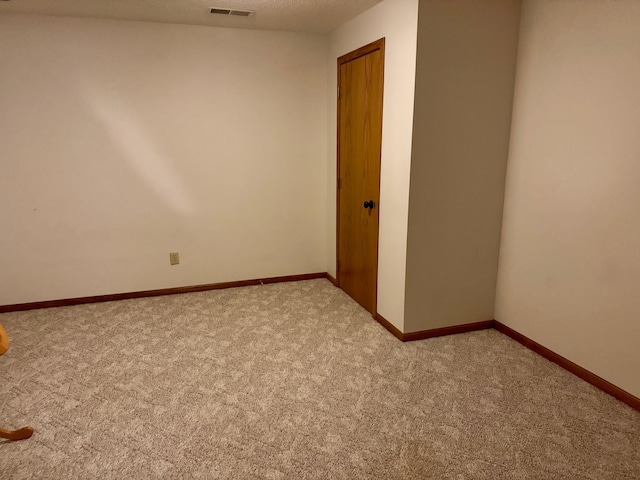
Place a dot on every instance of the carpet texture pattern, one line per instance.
(295, 381)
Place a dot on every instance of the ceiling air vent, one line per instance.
(237, 13)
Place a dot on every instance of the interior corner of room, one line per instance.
(508, 179)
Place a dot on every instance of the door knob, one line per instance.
(370, 204)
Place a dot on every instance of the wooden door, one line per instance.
(360, 91)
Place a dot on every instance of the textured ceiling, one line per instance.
(297, 15)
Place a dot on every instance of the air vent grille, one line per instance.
(237, 13)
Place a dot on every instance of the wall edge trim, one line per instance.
(389, 326)
(452, 330)
(577, 370)
(66, 302)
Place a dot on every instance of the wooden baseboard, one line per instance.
(156, 293)
(435, 332)
(389, 326)
(441, 332)
(583, 373)
(332, 279)
(574, 368)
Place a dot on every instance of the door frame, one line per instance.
(359, 52)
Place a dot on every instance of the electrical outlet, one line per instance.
(174, 258)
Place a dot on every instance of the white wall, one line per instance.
(464, 98)
(569, 275)
(121, 142)
(396, 20)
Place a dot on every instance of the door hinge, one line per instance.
(339, 183)
(338, 93)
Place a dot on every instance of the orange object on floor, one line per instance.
(22, 433)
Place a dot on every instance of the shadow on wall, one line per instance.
(128, 133)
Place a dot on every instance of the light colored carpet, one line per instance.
(296, 381)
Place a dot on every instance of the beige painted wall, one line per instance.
(464, 92)
(396, 20)
(569, 273)
(121, 142)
